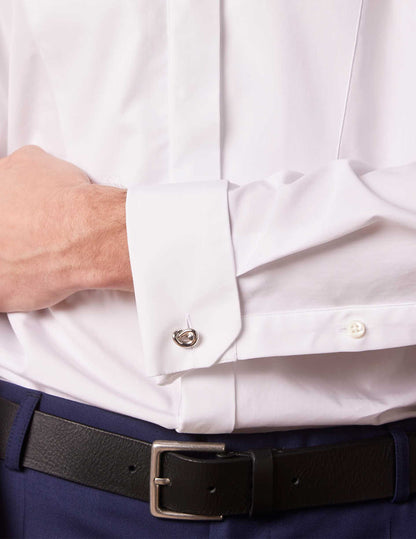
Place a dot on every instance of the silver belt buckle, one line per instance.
(156, 482)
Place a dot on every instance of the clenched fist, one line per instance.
(59, 233)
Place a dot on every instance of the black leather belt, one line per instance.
(180, 483)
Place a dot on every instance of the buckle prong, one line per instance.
(159, 447)
(162, 481)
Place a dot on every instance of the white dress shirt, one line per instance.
(269, 151)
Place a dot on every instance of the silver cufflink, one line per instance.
(185, 337)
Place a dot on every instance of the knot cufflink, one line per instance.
(185, 337)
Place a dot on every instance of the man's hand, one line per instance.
(59, 233)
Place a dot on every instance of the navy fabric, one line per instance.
(19, 428)
(35, 505)
(402, 461)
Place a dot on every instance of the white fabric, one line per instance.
(269, 153)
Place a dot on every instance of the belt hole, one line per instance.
(212, 490)
(295, 481)
(132, 468)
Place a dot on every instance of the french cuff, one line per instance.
(184, 276)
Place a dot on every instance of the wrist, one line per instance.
(102, 256)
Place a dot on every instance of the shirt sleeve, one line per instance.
(289, 265)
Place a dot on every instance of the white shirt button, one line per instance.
(356, 329)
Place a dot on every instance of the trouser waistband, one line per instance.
(255, 474)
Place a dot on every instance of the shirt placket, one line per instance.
(194, 68)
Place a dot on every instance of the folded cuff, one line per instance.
(183, 270)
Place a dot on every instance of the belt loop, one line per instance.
(19, 429)
(402, 465)
(262, 482)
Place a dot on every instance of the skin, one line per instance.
(59, 233)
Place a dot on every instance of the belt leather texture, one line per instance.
(252, 482)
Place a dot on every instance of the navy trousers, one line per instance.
(36, 505)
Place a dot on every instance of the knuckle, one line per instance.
(27, 150)
(30, 148)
